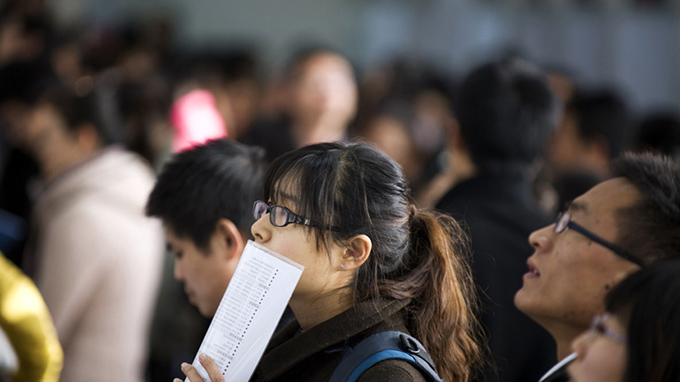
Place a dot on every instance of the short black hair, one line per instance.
(218, 180)
(660, 132)
(650, 229)
(648, 303)
(602, 113)
(506, 112)
(77, 109)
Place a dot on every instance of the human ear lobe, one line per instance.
(230, 238)
(357, 251)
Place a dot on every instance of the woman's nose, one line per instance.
(580, 345)
(261, 229)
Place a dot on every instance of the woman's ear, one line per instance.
(357, 251)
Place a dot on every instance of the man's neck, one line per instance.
(564, 336)
(459, 167)
(53, 170)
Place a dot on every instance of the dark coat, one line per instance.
(312, 355)
(500, 212)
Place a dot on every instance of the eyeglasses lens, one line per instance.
(598, 327)
(279, 216)
(561, 222)
(259, 209)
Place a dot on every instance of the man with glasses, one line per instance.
(614, 229)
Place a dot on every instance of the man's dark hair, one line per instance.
(660, 132)
(506, 112)
(602, 114)
(218, 180)
(650, 229)
(79, 109)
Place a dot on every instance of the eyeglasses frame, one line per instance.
(291, 217)
(598, 327)
(590, 235)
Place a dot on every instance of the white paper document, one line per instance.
(249, 311)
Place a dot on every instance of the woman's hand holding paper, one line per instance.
(208, 364)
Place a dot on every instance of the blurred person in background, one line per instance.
(505, 112)
(217, 94)
(26, 322)
(595, 128)
(318, 101)
(232, 75)
(25, 39)
(404, 109)
(134, 80)
(659, 132)
(204, 196)
(636, 340)
(390, 129)
(96, 256)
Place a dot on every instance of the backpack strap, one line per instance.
(382, 346)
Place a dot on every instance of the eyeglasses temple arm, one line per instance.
(604, 243)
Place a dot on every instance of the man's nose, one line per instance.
(541, 240)
(178, 271)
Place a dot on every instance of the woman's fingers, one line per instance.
(212, 369)
(209, 365)
(191, 373)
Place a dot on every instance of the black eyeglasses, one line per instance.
(279, 216)
(564, 221)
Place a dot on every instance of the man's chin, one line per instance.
(202, 311)
(205, 311)
(200, 307)
(522, 300)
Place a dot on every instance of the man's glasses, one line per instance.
(598, 327)
(564, 221)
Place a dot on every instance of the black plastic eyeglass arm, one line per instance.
(605, 243)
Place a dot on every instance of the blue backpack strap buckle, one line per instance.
(380, 347)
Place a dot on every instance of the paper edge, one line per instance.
(277, 255)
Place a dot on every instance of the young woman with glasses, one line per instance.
(373, 263)
(637, 340)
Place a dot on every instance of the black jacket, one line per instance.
(312, 355)
(500, 212)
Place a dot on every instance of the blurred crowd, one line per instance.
(129, 98)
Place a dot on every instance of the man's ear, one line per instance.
(357, 251)
(232, 241)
